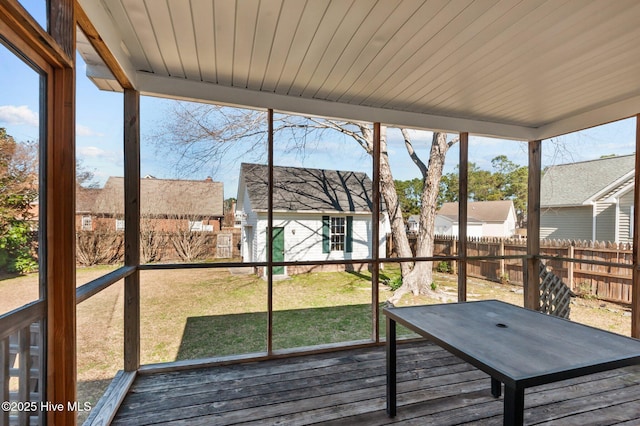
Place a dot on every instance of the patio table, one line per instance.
(517, 347)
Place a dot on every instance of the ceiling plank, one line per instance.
(246, 19)
(165, 35)
(202, 16)
(184, 39)
(290, 14)
(318, 46)
(224, 28)
(306, 31)
(263, 43)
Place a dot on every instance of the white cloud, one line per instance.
(86, 131)
(93, 152)
(12, 114)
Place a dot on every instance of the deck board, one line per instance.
(348, 388)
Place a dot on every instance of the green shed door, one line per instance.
(278, 249)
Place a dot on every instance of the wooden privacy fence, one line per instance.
(609, 282)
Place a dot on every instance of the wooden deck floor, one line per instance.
(348, 388)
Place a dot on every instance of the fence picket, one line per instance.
(612, 282)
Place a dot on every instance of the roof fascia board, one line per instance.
(104, 25)
(610, 187)
(595, 117)
(613, 198)
(152, 85)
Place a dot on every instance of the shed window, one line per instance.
(337, 234)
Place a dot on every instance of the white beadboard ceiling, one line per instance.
(528, 69)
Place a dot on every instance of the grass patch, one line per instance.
(200, 313)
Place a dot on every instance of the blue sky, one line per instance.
(99, 135)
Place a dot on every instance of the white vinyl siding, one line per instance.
(303, 237)
(605, 222)
(574, 223)
(625, 227)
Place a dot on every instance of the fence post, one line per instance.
(502, 261)
(454, 251)
(570, 266)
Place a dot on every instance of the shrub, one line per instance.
(443, 267)
(394, 283)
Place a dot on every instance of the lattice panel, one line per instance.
(20, 377)
(555, 296)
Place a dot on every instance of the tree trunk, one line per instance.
(419, 279)
(388, 190)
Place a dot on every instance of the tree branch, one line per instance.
(412, 153)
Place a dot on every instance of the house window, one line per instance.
(119, 224)
(195, 225)
(338, 234)
(86, 223)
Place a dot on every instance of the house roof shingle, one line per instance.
(165, 197)
(305, 189)
(86, 199)
(575, 183)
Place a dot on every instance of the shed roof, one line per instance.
(306, 189)
(575, 184)
(170, 197)
(515, 69)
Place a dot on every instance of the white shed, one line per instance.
(317, 215)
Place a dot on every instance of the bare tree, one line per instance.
(100, 246)
(200, 133)
(190, 244)
(152, 241)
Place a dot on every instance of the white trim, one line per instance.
(594, 215)
(179, 88)
(616, 225)
(612, 185)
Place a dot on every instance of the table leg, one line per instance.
(513, 406)
(391, 367)
(496, 388)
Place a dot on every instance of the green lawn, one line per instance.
(199, 313)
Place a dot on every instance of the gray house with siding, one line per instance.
(588, 200)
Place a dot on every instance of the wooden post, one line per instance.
(60, 220)
(269, 235)
(375, 234)
(532, 284)
(503, 269)
(454, 250)
(462, 216)
(132, 229)
(635, 283)
(570, 268)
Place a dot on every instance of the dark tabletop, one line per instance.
(516, 345)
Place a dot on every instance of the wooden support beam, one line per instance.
(635, 283)
(463, 191)
(132, 229)
(375, 234)
(532, 283)
(101, 48)
(60, 221)
(270, 234)
(33, 39)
